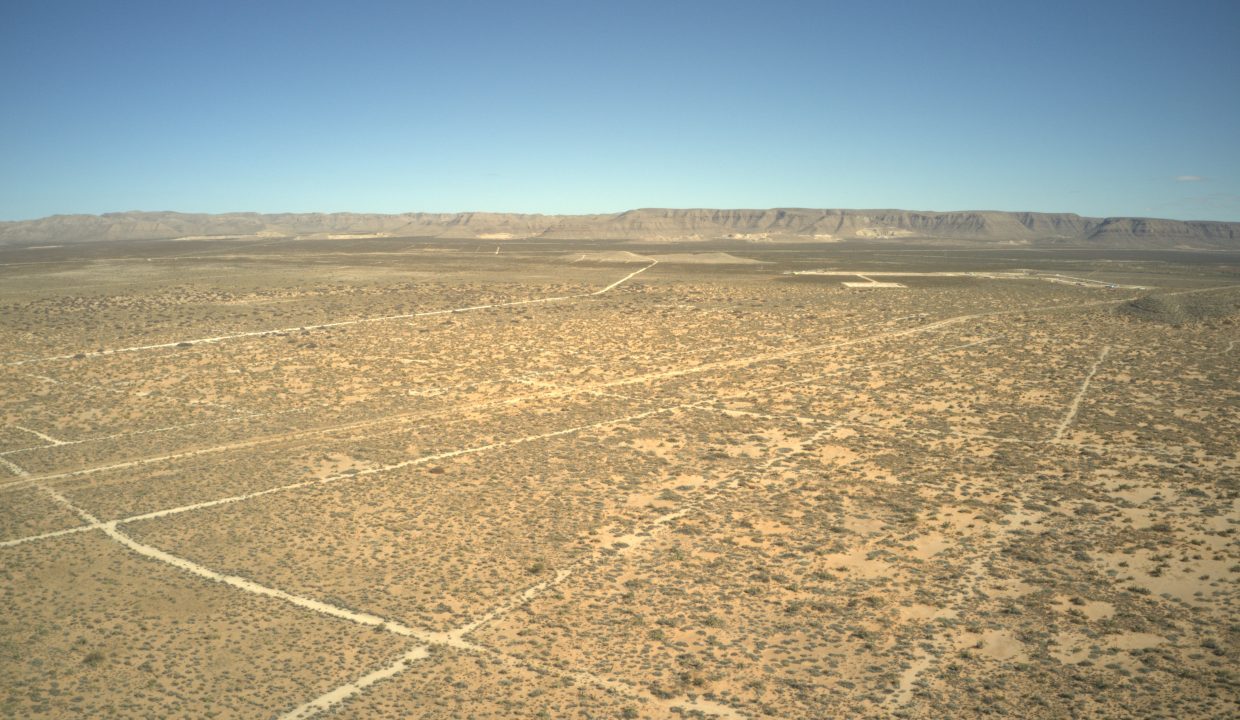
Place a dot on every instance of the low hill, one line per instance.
(1183, 309)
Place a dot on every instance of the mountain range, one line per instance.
(650, 225)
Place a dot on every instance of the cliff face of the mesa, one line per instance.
(649, 225)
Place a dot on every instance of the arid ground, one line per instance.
(403, 478)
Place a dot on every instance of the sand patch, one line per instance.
(995, 644)
(837, 454)
(1091, 609)
(624, 256)
(919, 612)
(708, 258)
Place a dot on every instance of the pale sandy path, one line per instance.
(168, 428)
(936, 325)
(125, 391)
(16, 470)
(430, 392)
(361, 618)
(923, 660)
(304, 434)
(782, 354)
(451, 639)
(526, 379)
(704, 367)
(867, 366)
(676, 372)
(322, 326)
(25, 479)
(1080, 395)
(61, 499)
(732, 363)
(348, 690)
(112, 531)
(552, 390)
(594, 388)
(49, 535)
(96, 524)
(632, 540)
(1171, 455)
(699, 405)
(853, 424)
(337, 695)
(282, 437)
(42, 436)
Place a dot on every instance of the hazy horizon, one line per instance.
(599, 213)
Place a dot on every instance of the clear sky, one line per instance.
(1123, 107)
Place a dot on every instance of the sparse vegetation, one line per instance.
(713, 489)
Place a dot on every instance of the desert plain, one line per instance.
(386, 477)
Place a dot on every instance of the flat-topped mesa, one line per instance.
(650, 225)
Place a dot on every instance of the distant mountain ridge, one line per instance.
(650, 225)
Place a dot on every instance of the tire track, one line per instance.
(323, 326)
(622, 543)
(647, 377)
(1075, 406)
(552, 391)
(168, 428)
(51, 441)
(96, 524)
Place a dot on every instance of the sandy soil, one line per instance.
(400, 479)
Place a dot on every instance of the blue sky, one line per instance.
(1100, 108)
